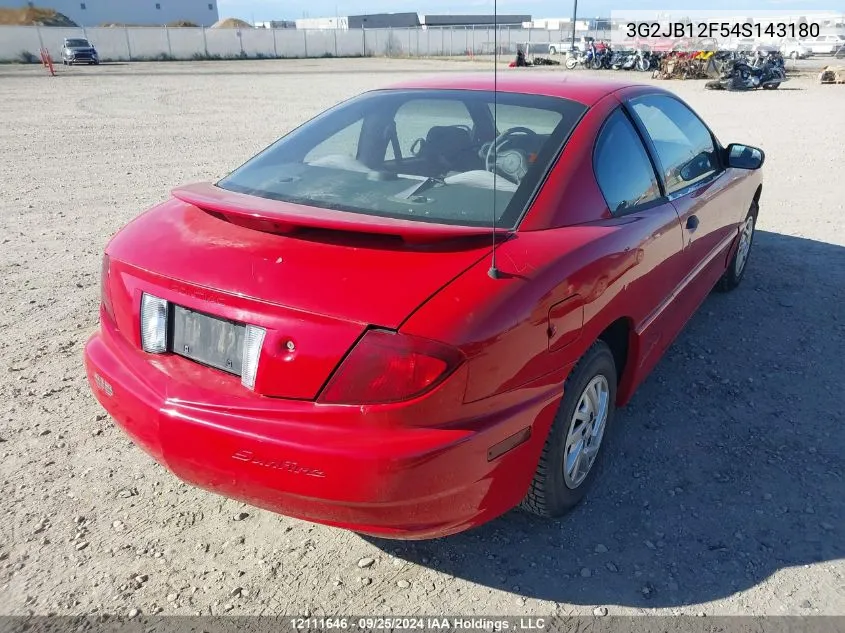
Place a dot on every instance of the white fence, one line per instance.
(147, 43)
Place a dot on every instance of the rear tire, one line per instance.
(739, 262)
(556, 487)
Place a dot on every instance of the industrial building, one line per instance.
(134, 12)
(475, 20)
(410, 20)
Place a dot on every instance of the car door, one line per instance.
(628, 181)
(706, 197)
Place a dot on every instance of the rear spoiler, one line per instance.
(285, 217)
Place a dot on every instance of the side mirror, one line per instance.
(742, 156)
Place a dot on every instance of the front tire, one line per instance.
(570, 458)
(739, 262)
(571, 63)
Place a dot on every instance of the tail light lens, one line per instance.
(105, 293)
(153, 324)
(390, 367)
(253, 340)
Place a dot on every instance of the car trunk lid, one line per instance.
(313, 288)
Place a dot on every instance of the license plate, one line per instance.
(208, 340)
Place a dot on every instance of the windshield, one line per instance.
(77, 44)
(425, 155)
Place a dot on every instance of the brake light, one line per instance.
(105, 292)
(390, 367)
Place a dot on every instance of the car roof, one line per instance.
(584, 90)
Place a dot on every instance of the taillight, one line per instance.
(105, 293)
(153, 324)
(390, 367)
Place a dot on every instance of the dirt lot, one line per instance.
(725, 491)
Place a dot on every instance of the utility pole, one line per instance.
(574, 18)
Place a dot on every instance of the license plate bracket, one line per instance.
(208, 340)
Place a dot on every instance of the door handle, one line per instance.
(692, 222)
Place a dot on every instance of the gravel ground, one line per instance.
(724, 493)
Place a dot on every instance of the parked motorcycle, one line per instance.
(633, 60)
(739, 75)
(583, 58)
(623, 61)
(602, 57)
(647, 60)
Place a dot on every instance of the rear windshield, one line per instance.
(431, 156)
(78, 43)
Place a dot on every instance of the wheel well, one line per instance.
(617, 337)
(758, 193)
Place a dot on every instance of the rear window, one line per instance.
(431, 156)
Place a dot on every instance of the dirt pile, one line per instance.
(231, 23)
(34, 15)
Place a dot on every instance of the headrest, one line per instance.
(448, 137)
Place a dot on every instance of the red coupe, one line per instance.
(421, 308)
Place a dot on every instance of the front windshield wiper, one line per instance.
(425, 185)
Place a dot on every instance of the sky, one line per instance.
(262, 10)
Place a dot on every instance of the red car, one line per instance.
(328, 332)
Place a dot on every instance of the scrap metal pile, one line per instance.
(832, 75)
(521, 60)
(687, 65)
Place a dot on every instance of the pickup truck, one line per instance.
(554, 48)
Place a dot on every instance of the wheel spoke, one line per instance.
(573, 459)
(601, 415)
(582, 415)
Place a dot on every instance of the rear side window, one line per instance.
(622, 166)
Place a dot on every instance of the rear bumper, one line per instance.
(397, 482)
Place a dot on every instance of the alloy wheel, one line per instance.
(586, 430)
(746, 235)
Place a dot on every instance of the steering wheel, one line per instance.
(518, 157)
